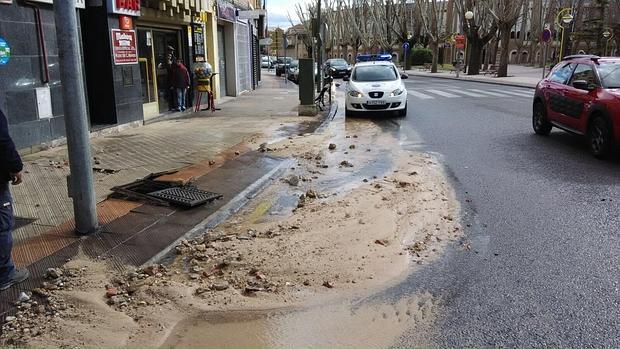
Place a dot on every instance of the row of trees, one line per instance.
(354, 26)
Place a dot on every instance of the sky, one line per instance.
(277, 12)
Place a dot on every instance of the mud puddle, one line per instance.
(339, 323)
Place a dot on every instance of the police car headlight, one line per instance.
(396, 92)
(355, 94)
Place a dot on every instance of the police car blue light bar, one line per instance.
(374, 57)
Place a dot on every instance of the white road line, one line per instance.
(419, 95)
(443, 94)
(489, 93)
(467, 93)
(520, 93)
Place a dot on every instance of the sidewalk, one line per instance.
(519, 76)
(215, 149)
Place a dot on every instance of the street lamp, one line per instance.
(469, 15)
(563, 18)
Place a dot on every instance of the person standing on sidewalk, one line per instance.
(180, 81)
(10, 171)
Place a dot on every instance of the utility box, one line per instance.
(306, 87)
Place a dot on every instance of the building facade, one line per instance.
(127, 50)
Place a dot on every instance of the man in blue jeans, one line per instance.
(10, 171)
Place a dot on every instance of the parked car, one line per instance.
(337, 68)
(375, 87)
(581, 95)
(282, 65)
(294, 73)
(265, 62)
(293, 70)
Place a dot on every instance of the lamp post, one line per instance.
(469, 15)
(608, 35)
(563, 18)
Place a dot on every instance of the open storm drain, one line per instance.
(163, 193)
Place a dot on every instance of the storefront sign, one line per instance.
(78, 3)
(125, 22)
(124, 7)
(198, 39)
(124, 47)
(5, 52)
(253, 14)
(459, 41)
(226, 11)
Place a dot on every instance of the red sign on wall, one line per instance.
(124, 47)
(459, 41)
(124, 7)
(125, 22)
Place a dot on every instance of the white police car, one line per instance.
(375, 86)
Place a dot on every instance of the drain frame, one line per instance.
(185, 196)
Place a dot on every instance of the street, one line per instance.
(541, 217)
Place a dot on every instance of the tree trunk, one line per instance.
(502, 70)
(435, 48)
(475, 50)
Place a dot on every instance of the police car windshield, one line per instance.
(379, 72)
(610, 74)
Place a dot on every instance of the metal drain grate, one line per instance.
(185, 196)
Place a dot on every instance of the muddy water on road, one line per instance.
(334, 324)
(350, 318)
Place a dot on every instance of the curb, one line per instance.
(225, 212)
(485, 81)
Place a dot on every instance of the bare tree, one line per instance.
(432, 17)
(505, 14)
(479, 30)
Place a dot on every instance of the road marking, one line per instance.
(419, 95)
(467, 93)
(520, 93)
(443, 94)
(489, 93)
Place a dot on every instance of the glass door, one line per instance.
(166, 50)
(147, 73)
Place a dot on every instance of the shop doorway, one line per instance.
(221, 48)
(157, 50)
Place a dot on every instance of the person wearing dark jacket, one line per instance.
(180, 81)
(10, 171)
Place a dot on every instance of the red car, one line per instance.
(581, 95)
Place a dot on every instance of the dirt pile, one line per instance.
(330, 241)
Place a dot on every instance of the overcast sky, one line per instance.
(277, 11)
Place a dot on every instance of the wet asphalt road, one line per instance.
(542, 219)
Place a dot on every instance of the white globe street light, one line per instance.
(606, 34)
(567, 18)
(469, 15)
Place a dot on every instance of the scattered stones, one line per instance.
(111, 291)
(382, 242)
(23, 297)
(332, 146)
(292, 180)
(200, 290)
(221, 286)
(311, 194)
(345, 163)
(10, 318)
(302, 201)
(53, 273)
(352, 146)
(328, 284)
(306, 282)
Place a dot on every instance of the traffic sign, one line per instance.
(406, 46)
(459, 41)
(546, 35)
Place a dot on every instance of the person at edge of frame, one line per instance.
(10, 172)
